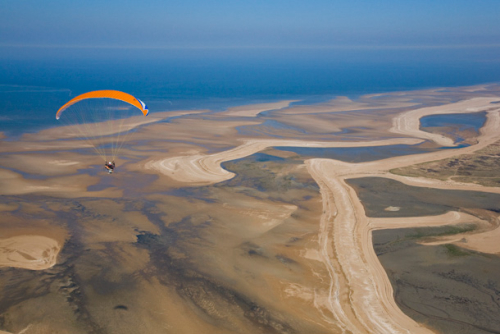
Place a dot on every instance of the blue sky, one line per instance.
(250, 24)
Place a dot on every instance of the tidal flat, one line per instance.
(206, 226)
(131, 265)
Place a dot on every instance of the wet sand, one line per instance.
(270, 244)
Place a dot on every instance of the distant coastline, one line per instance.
(31, 90)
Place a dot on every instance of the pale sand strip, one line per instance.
(360, 295)
(432, 183)
(33, 252)
(366, 298)
(206, 169)
(449, 218)
(488, 135)
(485, 242)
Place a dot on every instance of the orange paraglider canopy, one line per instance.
(109, 94)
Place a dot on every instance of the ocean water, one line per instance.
(456, 123)
(35, 82)
(356, 154)
(473, 121)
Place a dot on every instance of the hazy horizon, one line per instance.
(256, 24)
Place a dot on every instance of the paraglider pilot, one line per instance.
(110, 166)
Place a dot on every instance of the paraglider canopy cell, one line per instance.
(104, 118)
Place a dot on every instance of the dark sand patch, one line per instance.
(377, 193)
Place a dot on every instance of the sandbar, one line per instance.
(34, 252)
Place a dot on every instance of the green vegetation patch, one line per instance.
(440, 231)
(480, 167)
(453, 250)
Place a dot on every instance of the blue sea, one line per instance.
(35, 82)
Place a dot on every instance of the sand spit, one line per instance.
(206, 169)
(360, 294)
(449, 218)
(432, 183)
(33, 252)
(485, 242)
